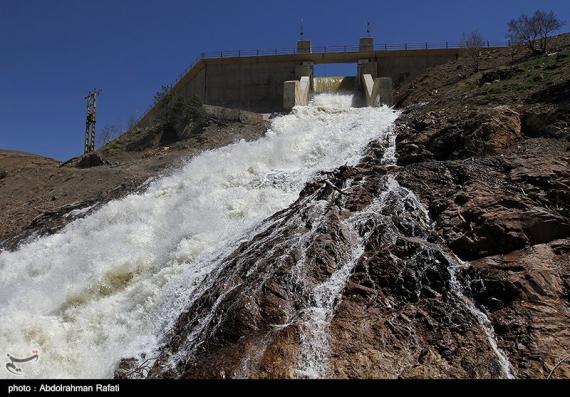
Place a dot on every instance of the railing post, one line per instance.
(488, 44)
(221, 54)
(257, 52)
(446, 44)
(406, 46)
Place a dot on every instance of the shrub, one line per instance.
(473, 43)
(177, 115)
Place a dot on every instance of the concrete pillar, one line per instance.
(290, 94)
(385, 94)
(304, 90)
(365, 66)
(366, 44)
(304, 47)
(304, 69)
(296, 93)
(377, 91)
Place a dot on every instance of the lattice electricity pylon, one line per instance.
(91, 99)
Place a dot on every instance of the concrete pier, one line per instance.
(296, 92)
(385, 91)
(366, 44)
(304, 47)
(377, 91)
(291, 94)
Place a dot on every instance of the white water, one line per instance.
(315, 338)
(503, 360)
(109, 285)
(314, 358)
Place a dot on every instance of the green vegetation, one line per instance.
(178, 117)
(526, 77)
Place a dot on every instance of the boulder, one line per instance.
(497, 74)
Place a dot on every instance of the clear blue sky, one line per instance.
(52, 52)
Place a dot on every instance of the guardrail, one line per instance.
(325, 50)
(344, 48)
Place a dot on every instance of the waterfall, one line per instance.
(334, 84)
(110, 285)
(113, 284)
(322, 300)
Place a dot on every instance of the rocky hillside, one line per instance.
(455, 262)
(39, 195)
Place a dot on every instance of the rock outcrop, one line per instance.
(455, 263)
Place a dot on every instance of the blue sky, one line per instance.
(52, 52)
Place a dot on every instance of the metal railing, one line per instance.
(344, 48)
(333, 49)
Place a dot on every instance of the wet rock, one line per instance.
(410, 153)
(483, 130)
(494, 205)
(526, 294)
(397, 314)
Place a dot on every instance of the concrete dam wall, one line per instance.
(256, 83)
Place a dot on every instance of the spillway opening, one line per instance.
(334, 78)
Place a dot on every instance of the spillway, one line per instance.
(110, 285)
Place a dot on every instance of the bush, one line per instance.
(178, 117)
(473, 43)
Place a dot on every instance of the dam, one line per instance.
(267, 81)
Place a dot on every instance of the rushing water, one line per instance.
(109, 285)
(334, 84)
(394, 200)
